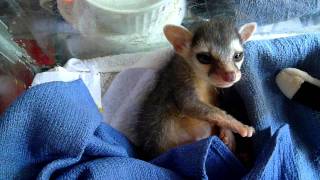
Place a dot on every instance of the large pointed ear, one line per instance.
(178, 36)
(246, 31)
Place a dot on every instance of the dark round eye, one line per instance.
(204, 58)
(238, 56)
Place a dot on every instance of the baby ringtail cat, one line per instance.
(181, 108)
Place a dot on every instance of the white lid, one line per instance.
(126, 5)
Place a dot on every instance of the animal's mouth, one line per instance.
(221, 81)
(223, 84)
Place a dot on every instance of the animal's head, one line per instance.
(214, 49)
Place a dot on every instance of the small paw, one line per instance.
(228, 139)
(247, 131)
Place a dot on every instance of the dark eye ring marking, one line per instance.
(237, 57)
(204, 58)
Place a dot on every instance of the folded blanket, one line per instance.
(55, 130)
(269, 109)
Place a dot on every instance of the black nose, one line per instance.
(229, 76)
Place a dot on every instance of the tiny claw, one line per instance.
(247, 131)
(251, 132)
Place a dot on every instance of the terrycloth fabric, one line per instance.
(260, 11)
(55, 130)
(266, 12)
(269, 108)
(74, 69)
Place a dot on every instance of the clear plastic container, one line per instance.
(16, 69)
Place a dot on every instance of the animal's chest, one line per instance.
(205, 92)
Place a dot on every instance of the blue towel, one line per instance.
(269, 109)
(55, 131)
(260, 11)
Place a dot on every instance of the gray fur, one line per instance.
(216, 34)
(175, 96)
(175, 77)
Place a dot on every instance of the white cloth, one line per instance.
(90, 70)
(74, 69)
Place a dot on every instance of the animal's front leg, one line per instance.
(228, 138)
(226, 121)
(197, 109)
